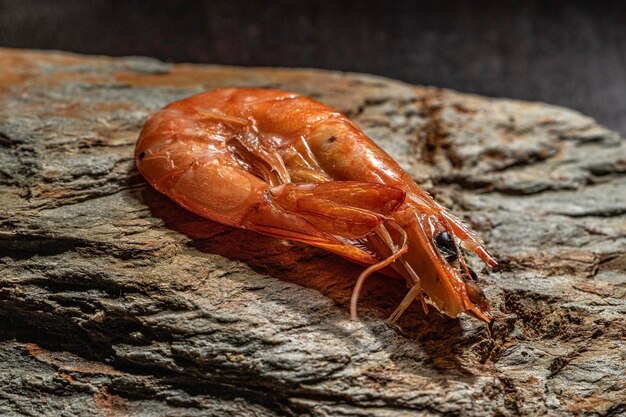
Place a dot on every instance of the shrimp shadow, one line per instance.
(310, 267)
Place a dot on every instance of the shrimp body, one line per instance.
(285, 165)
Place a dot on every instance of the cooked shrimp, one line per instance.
(287, 166)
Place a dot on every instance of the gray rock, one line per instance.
(115, 301)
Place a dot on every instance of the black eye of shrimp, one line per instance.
(446, 246)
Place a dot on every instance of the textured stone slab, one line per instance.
(115, 301)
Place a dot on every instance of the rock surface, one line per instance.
(115, 301)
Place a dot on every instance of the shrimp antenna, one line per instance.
(396, 253)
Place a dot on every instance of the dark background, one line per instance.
(571, 53)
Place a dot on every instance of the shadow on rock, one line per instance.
(435, 336)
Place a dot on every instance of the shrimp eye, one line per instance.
(446, 246)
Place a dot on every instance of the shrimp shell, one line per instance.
(285, 165)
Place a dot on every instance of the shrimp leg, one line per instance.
(414, 292)
(349, 209)
(330, 215)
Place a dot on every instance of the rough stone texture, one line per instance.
(115, 301)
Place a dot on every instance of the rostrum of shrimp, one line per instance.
(285, 165)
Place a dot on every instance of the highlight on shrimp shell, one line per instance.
(285, 165)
